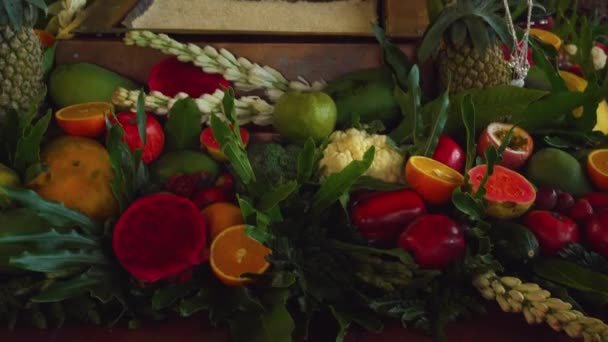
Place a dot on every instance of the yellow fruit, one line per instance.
(78, 175)
(576, 83)
(222, 215)
(547, 37)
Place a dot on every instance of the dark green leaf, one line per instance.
(63, 289)
(141, 117)
(438, 126)
(458, 33)
(121, 160)
(588, 120)
(337, 184)
(190, 306)
(468, 205)
(276, 195)
(55, 213)
(403, 132)
(48, 59)
(573, 276)
(183, 128)
(374, 184)
(478, 33)
(306, 161)
(434, 34)
(467, 111)
(394, 58)
(233, 149)
(434, 8)
(343, 323)
(15, 13)
(583, 257)
(549, 70)
(57, 261)
(167, 295)
(52, 239)
(258, 232)
(40, 4)
(400, 254)
(557, 142)
(28, 146)
(415, 95)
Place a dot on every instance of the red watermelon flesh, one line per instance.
(160, 236)
(171, 76)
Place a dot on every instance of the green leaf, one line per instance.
(52, 239)
(233, 148)
(40, 4)
(434, 34)
(276, 195)
(374, 184)
(468, 205)
(57, 261)
(394, 58)
(398, 253)
(167, 295)
(48, 59)
(190, 306)
(307, 161)
(434, 8)
(573, 276)
(141, 117)
(549, 70)
(478, 33)
(55, 213)
(183, 128)
(14, 12)
(121, 160)
(28, 146)
(467, 111)
(339, 183)
(343, 323)
(61, 290)
(438, 126)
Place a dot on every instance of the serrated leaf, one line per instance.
(573, 276)
(52, 239)
(183, 128)
(55, 213)
(28, 146)
(63, 289)
(337, 184)
(58, 261)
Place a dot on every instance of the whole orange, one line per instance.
(432, 180)
(78, 175)
(597, 168)
(222, 215)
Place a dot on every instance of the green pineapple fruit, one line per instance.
(21, 72)
(466, 40)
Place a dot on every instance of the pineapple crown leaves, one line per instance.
(20, 13)
(478, 22)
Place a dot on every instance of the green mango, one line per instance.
(183, 162)
(75, 83)
(555, 168)
(367, 94)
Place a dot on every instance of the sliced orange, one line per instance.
(222, 215)
(233, 254)
(597, 168)
(46, 39)
(432, 180)
(85, 119)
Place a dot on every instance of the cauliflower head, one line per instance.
(349, 145)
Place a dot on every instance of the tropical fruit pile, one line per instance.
(368, 201)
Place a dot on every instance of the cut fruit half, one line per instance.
(597, 168)
(432, 180)
(211, 145)
(233, 254)
(85, 119)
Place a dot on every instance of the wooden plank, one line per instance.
(312, 61)
(105, 15)
(405, 19)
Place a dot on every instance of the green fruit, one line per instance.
(76, 83)
(17, 221)
(302, 115)
(513, 243)
(555, 168)
(183, 163)
(367, 94)
(8, 178)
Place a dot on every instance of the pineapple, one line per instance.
(466, 40)
(21, 72)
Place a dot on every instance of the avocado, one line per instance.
(76, 83)
(555, 168)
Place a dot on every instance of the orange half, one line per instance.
(597, 168)
(233, 254)
(85, 119)
(432, 180)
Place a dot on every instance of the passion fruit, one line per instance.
(508, 194)
(518, 150)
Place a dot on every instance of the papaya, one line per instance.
(75, 83)
(367, 94)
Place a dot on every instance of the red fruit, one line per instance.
(186, 185)
(565, 201)
(546, 198)
(517, 152)
(596, 232)
(597, 200)
(581, 211)
(209, 143)
(449, 153)
(552, 230)
(381, 216)
(172, 76)
(159, 237)
(435, 241)
(225, 181)
(205, 197)
(155, 136)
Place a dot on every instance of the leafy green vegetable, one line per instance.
(339, 183)
(583, 257)
(58, 261)
(274, 164)
(60, 290)
(183, 128)
(51, 239)
(573, 276)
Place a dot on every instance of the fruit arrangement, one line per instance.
(370, 201)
